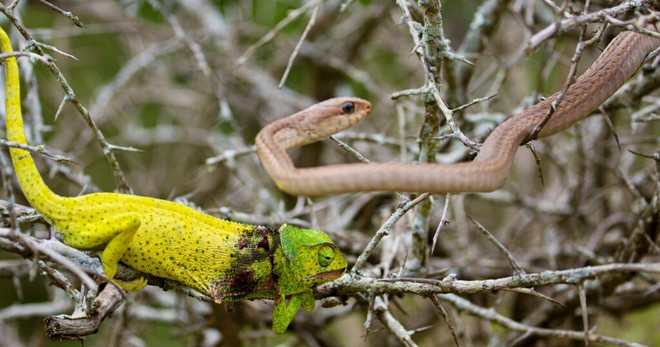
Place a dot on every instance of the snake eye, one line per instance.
(348, 107)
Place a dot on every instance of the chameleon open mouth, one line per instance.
(330, 275)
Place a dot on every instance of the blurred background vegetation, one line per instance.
(190, 83)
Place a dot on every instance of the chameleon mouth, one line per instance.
(330, 275)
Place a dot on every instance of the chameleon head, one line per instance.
(315, 259)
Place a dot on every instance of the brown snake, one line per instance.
(487, 172)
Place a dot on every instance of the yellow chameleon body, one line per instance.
(223, 259)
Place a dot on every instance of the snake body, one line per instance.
(487, 172)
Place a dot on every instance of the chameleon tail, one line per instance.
(34, 187)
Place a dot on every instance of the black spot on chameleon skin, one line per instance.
(243, 281)
(265, 233)
(242, 243)
(264, 244)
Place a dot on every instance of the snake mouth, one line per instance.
(330, 275)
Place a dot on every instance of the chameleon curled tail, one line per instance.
(226, 260)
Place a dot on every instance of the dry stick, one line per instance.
(635, 24)
(561, 26)
(37, 149)
(294, 54)
(46, 60)
(32, 310)
(445, 315)
(291, 16)
(56, 157)
(445, 52)
(491, 315)
(56, 277)
(180, 33)
(431, 87)
(354, 283)
(554, 6)
(582, 294)
(349, 149)
(370, 315)
(391, 323)
(385, 230)
(13, 5)
(52, 255)
(517, 269)
(65, 327)
(532, 292)
(66, 14)
(70, 96)
(537, 161)
(230, 154)
(443, 222)
(473, 102)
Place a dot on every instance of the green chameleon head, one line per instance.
(305, 258)
(313, 257)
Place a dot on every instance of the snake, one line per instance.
(490, 168)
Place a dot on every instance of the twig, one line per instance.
(385, 230)
(527, 330)
(353, 283)
(447, 318)
(443, 222)
(517, 269)
(39, 150)
(393, 325)
(576, 21)
(66, 14)
(270, 35)
(294, 54)
(180, 33)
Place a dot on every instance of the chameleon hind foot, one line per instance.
(132, 286)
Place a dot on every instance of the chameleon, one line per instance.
(225, 260)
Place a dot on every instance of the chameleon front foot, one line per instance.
(284, 312)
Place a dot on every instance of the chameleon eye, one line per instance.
(326, 256)
(348, 107)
